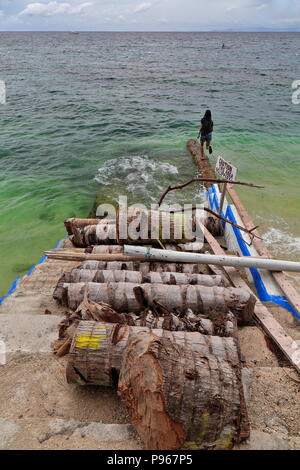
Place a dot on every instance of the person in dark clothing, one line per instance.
(205, 131)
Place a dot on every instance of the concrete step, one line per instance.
(31, 302)
(34, 292)
(28, 333)
(34, 386)
(260, 440)
(272, 398)
(63, 434)
(35, 394)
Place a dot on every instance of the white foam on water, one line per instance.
(136, 173)
(281, 241)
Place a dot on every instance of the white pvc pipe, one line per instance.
(239, 262)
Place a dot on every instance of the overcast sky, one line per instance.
(149, 15)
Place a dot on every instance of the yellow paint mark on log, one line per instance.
(88, 341)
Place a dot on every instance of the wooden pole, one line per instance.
(261, 314)
(288, 289)
(222, 199)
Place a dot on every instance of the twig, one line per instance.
(208, 180)
(161, 244)
(243, 229)
(211, 180)
(250, 232)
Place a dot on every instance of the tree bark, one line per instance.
(97, 348)
(182, 396)
(130, 297)
(144, 267)
(167, 227)
(223, 325)
(105, 249)
(138, 277)
(108, 233)
(181, 389)
(197, 247)
(73, 223)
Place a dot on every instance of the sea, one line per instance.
(98, 115)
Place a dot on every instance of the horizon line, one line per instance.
(151, 31)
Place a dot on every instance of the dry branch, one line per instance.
(203, 180)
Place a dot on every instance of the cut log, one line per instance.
(142, 225)
(87, 275)
(224, 325)
(105, 249)
(70, 224)
(126, 297)
(183, 397)
(98, 358)
(202, 163)
(182, 391)
(108, 233)
(197, 247)
(144, 267)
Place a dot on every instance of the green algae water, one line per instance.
(109, 113)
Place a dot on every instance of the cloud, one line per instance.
(142, 7)
(246, 4)
(150, 15)
(54, 8)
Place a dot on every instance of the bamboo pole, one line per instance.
(71, 256)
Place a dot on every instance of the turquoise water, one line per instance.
(111, 113)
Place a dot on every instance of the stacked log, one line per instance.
(99, 249)
(138, 277)
(97, 349)
(144, 266)
(198, 247)
(166, 335)
(224, 324)
(131, 297)
(206, 408)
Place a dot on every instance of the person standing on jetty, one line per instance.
(206, 129)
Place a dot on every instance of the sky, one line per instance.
(149, 15)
